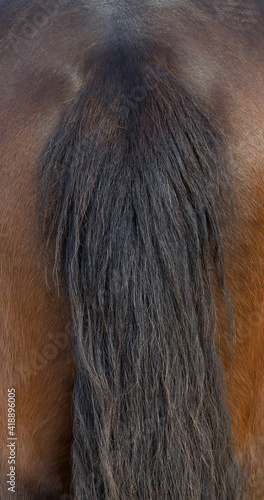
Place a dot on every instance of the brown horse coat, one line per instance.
(217, 56)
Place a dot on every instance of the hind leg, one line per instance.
(36, 361)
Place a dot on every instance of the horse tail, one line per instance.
(135, 188)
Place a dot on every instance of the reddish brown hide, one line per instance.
(219, 59)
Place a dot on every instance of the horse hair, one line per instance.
(135, 186)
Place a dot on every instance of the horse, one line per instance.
(132, 249)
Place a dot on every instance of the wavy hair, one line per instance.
(135, 185)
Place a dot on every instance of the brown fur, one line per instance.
(37, 81)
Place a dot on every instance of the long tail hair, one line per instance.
(135, 187)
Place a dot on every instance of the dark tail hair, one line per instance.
(135, 185)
